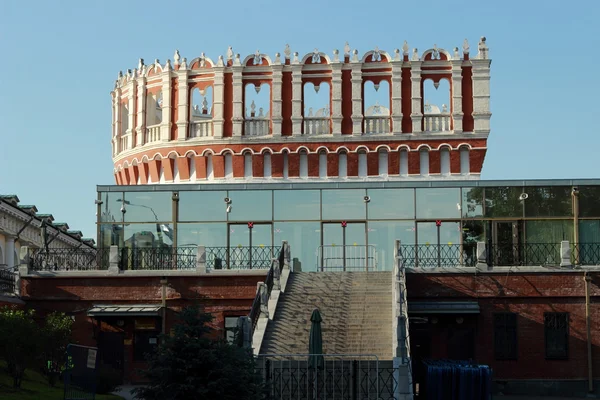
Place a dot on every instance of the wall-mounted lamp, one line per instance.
(228, 209)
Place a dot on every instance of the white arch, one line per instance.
(464, 145)
(145, 159)
(226, 150)
(441, 51)
(210, 63)
(370, 53)
(125, 164)
(251, 56)
(446, 145)
(206, 152)
(310, 55)
(424, 146)
(266, 150)
(403, 147)
(172, 153)
(321, 148)
(383, 146)
(246, 150)
(360, 148)
(342, 149)
(190, 153)
(299, 149)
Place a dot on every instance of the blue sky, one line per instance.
(59, 60)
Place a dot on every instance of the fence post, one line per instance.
(113, 260)
(201, 260)
(286, 254)
(565, 254)
(482, 256)
(264, 300)
(276, 275)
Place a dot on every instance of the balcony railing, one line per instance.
(255, 257)
(316, 126)
(123, 143)
(438, 256)
(158, 258)
(376, 125)
(8, 279)
(257, 126)
(152, 134)
(436, 122)
(69, 259)
(346, 258)
(201, 128)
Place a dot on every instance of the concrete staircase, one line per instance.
(356, 308)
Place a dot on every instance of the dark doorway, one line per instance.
(420, 349)
(506, 250)
(111, 349)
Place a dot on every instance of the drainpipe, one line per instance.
(163, 283)
(575, 195)
(588, 324)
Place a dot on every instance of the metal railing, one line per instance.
(341, 376)
(158, 258)
(524, 254)
(8, 279)
(585, 253)
(439, 255)
(245, 257)
(69, 259)
(347, 258)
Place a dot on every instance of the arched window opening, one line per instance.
(201, 112)
(322, 164)
(267, 165)
(343, 165)
(210, 174)
(424, 162)
(362, 164)
(465, 162)
(228, 166)
(316, 108)
(445, 161)
(436, 109)
(303, 164)
(383, 162)
(248, 165)
(376, 102)
(285, 165)
(403, 163)
(124, 119)
(257, 112)
(154, 103)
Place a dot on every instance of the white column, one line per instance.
(10, 251)
(183, 104)
(238, 104)
(140, 129)
(276, 86)
(481, 96)
(336, 97)
(357, 100)
(218, 101)
(396, 101)
(116, 120)
(296, 98)
(457, 112)
(416, 115)
(131, 86)
(165, 127)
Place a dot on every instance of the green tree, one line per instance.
(191, 364)
(55, 333)
(20, 342)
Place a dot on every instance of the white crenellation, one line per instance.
(336, 98)
(218, 99)
(357, 83)
(141, 110)
(481, 90)
(296, 97)
(396, 100)
(238, 102)
(276, 88)
(416, 114)
(457, 111)
(165, 126)
(131, 95)
(183, 104)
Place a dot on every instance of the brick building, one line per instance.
(267, 187)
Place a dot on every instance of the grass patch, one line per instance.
(34, 387)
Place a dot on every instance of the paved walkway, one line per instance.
(125, 392)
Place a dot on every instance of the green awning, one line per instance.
(443, 307)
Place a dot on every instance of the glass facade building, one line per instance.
(359, 219)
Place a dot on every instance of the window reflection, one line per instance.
(342, 204)
(148, 235)
(436, 203)
(589, 201)
(110, 235)
(554, 201)
(207, 234)
(503, 202)
(111, 207)
(383, 235)
(449, 233)
(202, 206)
(472, 202)
(296, 205)
(251, 205)
(304, 239)
(391, 203)
(147, 206)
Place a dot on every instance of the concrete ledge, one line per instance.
(543, 387)
(502, 270)
(10, 300)
(141, 273)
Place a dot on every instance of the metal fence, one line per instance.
(585, 253)
(344, 377)
(158, 258)
(80, 373)
(438, 256)
(69, 259)
(347, 258)
(8, 279)
(242, 257)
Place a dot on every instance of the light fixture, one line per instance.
(460, 320)
(98, 202)
(523, 196)
(227, 200)
(228, 209)
(366, 199)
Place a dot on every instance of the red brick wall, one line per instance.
(528, 295)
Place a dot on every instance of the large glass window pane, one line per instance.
(472, 202)
(438, 203)
(207, 234)
(297, 205)
(501, 202)
(111, 235)
(449, 233)
(111, 207)
(588, 252)
(391, 203)
(304, 239)
(344, 204)
(589, 201)
(148, 206)
(553, 201)
(148, 235)
(383, 235)
(251, 205)
(548, 231)
(202, 206)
